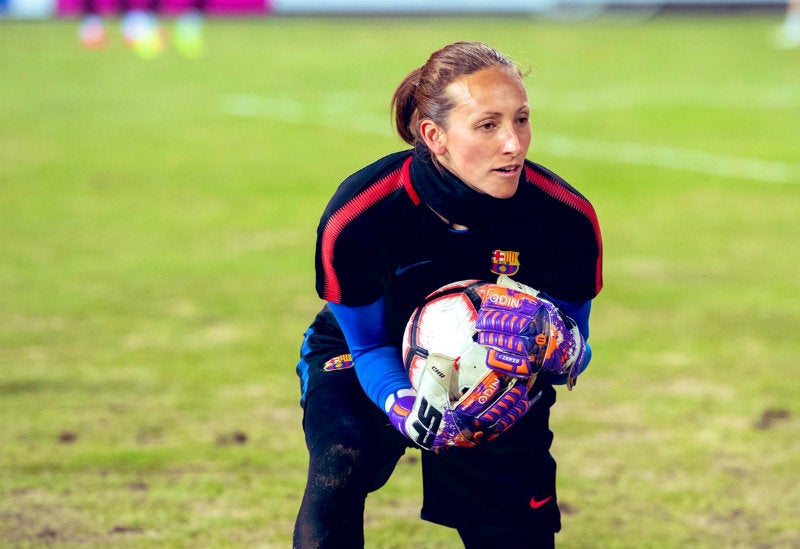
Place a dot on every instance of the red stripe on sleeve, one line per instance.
(564, 195)
(405, 174)
(345, 215)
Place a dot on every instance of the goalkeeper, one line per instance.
(462, 203)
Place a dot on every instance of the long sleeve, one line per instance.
(378, 365)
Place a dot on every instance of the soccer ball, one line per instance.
(445, 324)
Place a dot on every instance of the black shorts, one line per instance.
(509, 481)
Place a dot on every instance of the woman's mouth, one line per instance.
(508, 170)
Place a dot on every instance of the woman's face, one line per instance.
(488, 133)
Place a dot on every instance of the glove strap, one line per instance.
(507, 363)
(398, 407)
(394, 397)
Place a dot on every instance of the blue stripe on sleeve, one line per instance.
(579, 312)
(302, 367)
(379, 366)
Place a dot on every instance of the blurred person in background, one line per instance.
(788, 34)
(92, 31)
(392, 233)
(141, 29)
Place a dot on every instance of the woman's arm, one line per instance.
(378, 365)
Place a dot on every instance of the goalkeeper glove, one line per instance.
(436, 416)
(527, 334)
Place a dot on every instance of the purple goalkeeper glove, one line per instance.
(527, 335)
(436, 416)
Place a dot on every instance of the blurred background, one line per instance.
(163, 168)
(46, 8)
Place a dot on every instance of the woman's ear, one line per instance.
(433, 136)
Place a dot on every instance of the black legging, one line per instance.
(352, 451)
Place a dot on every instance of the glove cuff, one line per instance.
(507, 282)
(394, 397)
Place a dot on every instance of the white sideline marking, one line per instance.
(327, 115)
(676, 159)
(627, 98)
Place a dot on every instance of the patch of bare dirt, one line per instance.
(770, 417)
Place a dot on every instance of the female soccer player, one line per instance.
(462, 203)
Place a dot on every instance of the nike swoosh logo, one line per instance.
(404, 268)
(536, 504)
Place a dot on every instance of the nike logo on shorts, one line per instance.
(539, 503)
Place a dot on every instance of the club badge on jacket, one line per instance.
(505, 262)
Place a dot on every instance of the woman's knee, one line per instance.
(338, 468)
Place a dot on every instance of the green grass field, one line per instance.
(157, 224)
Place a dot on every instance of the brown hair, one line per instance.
(422, 94)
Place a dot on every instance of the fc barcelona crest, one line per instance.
(341, 362)
(505, 262)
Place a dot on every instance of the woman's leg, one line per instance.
(351, 445)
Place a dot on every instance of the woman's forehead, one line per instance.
(488, 89)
